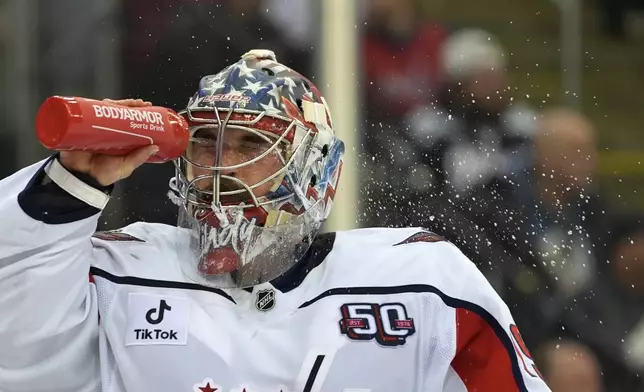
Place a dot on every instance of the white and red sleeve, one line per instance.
(490, 354)
(49, 324)
(482, 348)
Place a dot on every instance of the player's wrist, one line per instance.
(83, 186)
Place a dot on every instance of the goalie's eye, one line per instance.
(205, 138)
(204, 142)
(253, 142)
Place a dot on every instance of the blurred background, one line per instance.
(513, 128)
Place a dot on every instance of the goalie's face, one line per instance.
(259, 175)
(248, 163)
(239, 236)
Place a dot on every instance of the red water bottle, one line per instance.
(74, 123)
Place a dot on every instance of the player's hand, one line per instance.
(108, 169)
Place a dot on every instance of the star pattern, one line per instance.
(290, 84)
(275, 93)
(253, 87)
(212, 87)
(245, 71)
(270, 108)
(243, 79)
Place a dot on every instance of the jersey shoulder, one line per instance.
(380, 257)
(138, 232)
(141, 249)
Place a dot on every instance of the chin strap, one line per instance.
(75, 187)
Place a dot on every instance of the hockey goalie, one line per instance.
(242, 294)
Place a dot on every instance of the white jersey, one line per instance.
(366, 310)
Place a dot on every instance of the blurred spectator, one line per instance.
(193, 39)
(610, 313)
(467, 135)
(474, 133)
(568, 214)
(553, 216)
(400, 59)
(569, 366)
(553, 220)
(467, 139)
(548, 217)
(558, 224)
(400, 69)
(461, 159)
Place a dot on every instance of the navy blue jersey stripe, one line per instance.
(134, 281)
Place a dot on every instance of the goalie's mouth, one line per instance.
(204, 192)
(220, 261)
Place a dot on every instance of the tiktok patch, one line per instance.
(157, 320)
(157, 334)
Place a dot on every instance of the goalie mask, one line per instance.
(259, 175)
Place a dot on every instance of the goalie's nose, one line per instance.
(230, 159)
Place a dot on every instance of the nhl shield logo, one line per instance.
(265, 300)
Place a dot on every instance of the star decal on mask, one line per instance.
(245, 71)
(212, 88)
(290, 84)
(252, 87)
(270, 108)
(275, 92)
